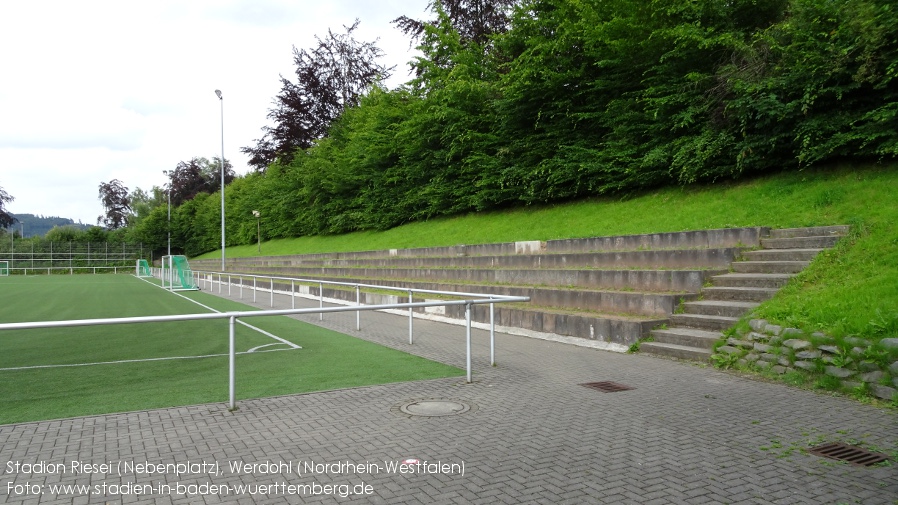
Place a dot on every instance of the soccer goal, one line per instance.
(143, 269)
(4, 268)
(177, 275)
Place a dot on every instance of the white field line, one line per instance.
(260, 330)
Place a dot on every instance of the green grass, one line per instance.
(850, 290)
(327, 360)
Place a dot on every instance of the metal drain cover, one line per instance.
(849, 453)
(435, 407)
(607, 386)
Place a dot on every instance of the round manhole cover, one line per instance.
(435, 407)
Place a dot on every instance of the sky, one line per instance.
(92, 91)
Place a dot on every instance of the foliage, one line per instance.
(6, 218)
(199, 175)
(543, 101)
(330, 78)
(476, 21)
(114, 196)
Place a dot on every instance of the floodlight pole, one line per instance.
(221, 101)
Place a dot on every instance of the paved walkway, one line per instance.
(684, 434)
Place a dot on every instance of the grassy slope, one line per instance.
(841, 293)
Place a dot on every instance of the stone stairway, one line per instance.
(756, 277)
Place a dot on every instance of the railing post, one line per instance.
(358, 313)
(410, 319)
(492, 333)
(229, 284)
(231, 364)
(241, 287)
(254, 289)
(272, 292)
(293, 293)
(219, 283)
(321, 300)
(468, 338)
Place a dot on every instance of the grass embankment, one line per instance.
(849, 290)
(65, 372)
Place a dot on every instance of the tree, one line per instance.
(117, 204)
(475, 20)
(199, 175)
(330, 78)
(6, 218)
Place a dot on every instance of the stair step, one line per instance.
(741, 294)
(719, 307)
(781, 254)
(799, 242)
(769, 267)
(772, 281)
(703, 321)
(675, 351)
(813, 231)
(689, 337)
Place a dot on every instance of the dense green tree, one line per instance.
(6, 218)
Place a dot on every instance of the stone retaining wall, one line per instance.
(854, 362)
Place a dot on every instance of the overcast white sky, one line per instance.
(92, 91)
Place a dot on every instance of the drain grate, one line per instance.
(608, 386)
(849, 453)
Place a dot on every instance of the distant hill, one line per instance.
(38, 226)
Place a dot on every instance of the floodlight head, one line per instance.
(218, 93)
(256, 213)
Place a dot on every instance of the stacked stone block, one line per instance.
(854, 362)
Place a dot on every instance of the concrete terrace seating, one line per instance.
(610, 291)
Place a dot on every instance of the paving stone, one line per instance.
(808, 354)
(773, 329)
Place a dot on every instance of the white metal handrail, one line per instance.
(208, 276)
(71, 269)
(234, 315)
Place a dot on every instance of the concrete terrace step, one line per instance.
(664, 259)
(781, 254)
(638, 280)
(618, 330)
(769, 267)
(687, 337)
(702, 321)
(675, 351)
(772, 281)
(739, 294)
(813, 231)
(728, 308)
(799, 242)
(609, 302)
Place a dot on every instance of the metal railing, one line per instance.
(209, 279)
(321, 310)
(70, 270)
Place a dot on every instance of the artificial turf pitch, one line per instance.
(67, 372)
